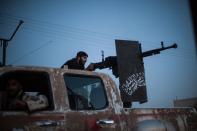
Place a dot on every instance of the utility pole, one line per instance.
(4, 42)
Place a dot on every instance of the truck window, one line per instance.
(33, 89)
(85, 92)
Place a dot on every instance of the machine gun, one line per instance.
(111, 61)
(128, 67)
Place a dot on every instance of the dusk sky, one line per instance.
(54, 31)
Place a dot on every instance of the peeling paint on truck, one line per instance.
(111, 118)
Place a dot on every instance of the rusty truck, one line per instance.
(85, 101)
(80, 100)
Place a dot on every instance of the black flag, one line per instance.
(131, 71)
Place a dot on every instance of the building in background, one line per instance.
(189, 102)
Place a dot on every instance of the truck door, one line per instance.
(89, 105)
(36, 115)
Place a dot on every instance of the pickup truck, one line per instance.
(84, 101)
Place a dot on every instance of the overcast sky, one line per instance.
(53, 31)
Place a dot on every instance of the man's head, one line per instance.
(82, 57)
(13, 87)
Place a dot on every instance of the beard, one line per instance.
(81, 62)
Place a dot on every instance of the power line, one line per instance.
(87, 41)
(38, 22)
(48, 25)
(79, 30)
(31, 52)
(59, 33)
(62, 33)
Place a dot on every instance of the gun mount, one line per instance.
(128, 66)
(111, 61)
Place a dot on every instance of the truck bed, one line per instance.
(173, 119)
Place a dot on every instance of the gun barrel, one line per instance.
(111, 61)
(157, 51)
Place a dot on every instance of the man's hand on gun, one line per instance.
(91, 67)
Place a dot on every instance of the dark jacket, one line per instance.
(73, 64)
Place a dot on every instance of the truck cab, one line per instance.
(83, 101)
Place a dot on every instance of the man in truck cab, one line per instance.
(16, 99)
